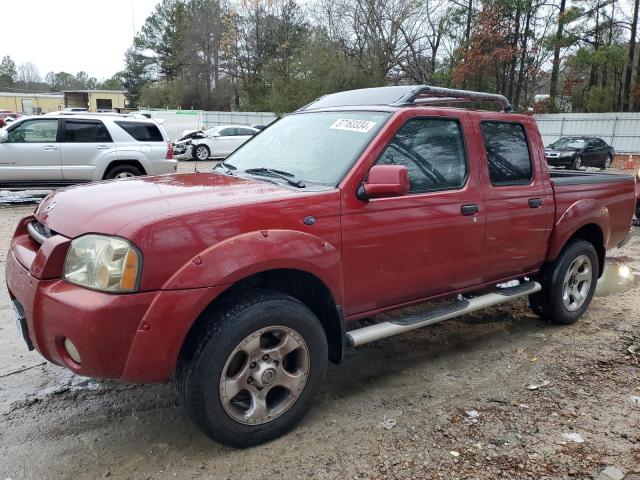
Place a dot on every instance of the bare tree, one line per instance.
(29, 75)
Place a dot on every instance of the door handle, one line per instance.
(103, 147)
(535, 202)
(469, 209)
(50, 148)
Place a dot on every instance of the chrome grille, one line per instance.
(38, 231)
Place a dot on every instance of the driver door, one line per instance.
(428, 242)
(31, 152)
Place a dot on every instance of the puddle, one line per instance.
(617, 278)
(21, 197)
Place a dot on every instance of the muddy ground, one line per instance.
(452, 401)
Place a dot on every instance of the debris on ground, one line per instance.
(611, 473)
(473, 416)
(536, 386)
(573, 437)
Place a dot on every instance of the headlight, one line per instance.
(103, 263)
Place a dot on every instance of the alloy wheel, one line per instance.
(124, 175)
(577, 283)
(202, 153)
(264, 375)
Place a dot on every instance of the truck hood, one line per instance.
(106, 207)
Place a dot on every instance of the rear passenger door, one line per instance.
(518, 200)
(85, 143)
(227, 142)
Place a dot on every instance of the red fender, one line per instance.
(239, 257)
(579, 214)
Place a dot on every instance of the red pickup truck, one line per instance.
(241, 283)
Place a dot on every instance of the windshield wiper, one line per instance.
(228, 168)
(290, 178)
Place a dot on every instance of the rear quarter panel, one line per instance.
(607, 204)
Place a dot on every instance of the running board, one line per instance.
(457, 308)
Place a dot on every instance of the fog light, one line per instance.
(71, 350)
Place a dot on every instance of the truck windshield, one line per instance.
(312, 147)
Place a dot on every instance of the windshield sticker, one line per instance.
(360, 126)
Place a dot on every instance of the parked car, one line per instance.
(63, 149)
(578, 152)
(7, 117)
(216, 142)
(243, 282)
(259, 127)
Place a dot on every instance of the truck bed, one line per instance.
(575, 177)
(608, 199)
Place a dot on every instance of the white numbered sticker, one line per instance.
(361, 126)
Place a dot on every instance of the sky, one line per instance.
(71, 35)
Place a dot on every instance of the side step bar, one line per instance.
(378, 331)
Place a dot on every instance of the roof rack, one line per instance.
(425, 94)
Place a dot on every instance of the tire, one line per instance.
(568, 284)
(200, 152)
(606, 163)
(226, 348)
(123, 171)
(577, 163)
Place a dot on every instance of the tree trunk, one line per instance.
(626, 89)
(555, 71)
(523, 54)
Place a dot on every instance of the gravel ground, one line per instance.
(451, 401)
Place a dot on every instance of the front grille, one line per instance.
(39, 232)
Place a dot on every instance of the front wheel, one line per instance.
(577, 163)
(201, 152)
(568, 284)
(255, 370)
(607, 162)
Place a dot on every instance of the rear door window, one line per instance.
(507, 153)
(85, 131)
(142, 132)
(228, 132)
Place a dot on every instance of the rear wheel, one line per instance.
(568, 284)
(201, 152)
(255, 369)
(123, 171)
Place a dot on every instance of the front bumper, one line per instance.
(134, 338)
(560, 161)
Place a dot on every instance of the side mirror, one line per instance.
(4, 135)
(385, 181)
(215, 135)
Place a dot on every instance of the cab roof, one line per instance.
(404, 95)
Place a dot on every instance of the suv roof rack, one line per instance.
(425, 94)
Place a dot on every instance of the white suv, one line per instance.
(66, 149)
